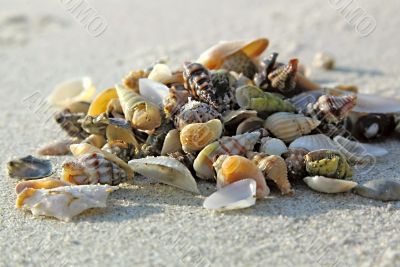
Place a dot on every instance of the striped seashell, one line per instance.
(288, 126)
(71, 123)
(195, 112)
(235, 145)
(283, 79)
(333, 109)
(93, 168)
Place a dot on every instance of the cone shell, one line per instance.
(100, 103)
(214, 57)
(196, 136)
(235, 168)
(289, 126)
(329, 185)
(45, 183)
(329, 163)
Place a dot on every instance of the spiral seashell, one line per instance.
(295, 163)
(329, 185)
(195, 112)
(71, 123)
(235, 145)
(234, 168)
(288, 126)
(44, 183)
(178, 96)
(283, 79)
(122, 150)
(239, 62)
(196, 136)
(131, 81)
(329, 163)
(274, 168)
(333, 109)
(100, 103)
(93, 168)
(143, 114)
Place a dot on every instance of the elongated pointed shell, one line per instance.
(196, 136)
(64, 202)
(327, 163)
(289, 126)
(166, 170)
(329, 185)
(214, 57)
(238, 195)
(44, 183)
(100, 103)
(74, 90)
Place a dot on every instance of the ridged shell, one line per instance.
(314, 142)
(237, 195)
(294, 159)
(273, 146)
(100, 103)
(71, 123)
(329, 185)
(64, 202)
(235, 168)
(289, 126)
(121, 149)
(327, 163)
(166, 170)
(380, 189)
(235, 145)
(283, 78)
(214, 57)
(74, 90)
(195, 112)
(172, 143)
(29, 167)
(196, 136)
(334, 109)
(44, 183)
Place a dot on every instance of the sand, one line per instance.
(150, 224)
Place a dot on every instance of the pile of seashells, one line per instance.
(229, 117)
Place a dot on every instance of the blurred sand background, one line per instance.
(43, 43)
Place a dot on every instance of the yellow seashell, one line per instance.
(100, 103)
(96, 140)
(45, 183)
(196, 136)
(214, 57)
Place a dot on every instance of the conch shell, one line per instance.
(196, 136)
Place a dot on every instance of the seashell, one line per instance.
(57, 148)
(214, 57)
(29, 167)
(74, 90)
(186, 159)
(121, 149)
(78, 107)
(44, 183)
(233, 117)
(273, 168)
(166, 170)
(323, 61)
(114, 109)
(251, 97)
(81, 149)
(294, 159)
(224, 84)
(288, 126)
(237, 195)
(235, 145)
(369, 103)
(249, 125)
(397, 122)
(71, 123)
(121, 132)
(369, 126)
(96, 140)
(239, 62)
(334, 109)
(234, 168)
(261, 79)
(92, 168)
(314, 142)
(198, 83)
(380, 189)
(95, 125)
(329, 163)
(196, 136)
(64, 202)
(154, 91)
(172, 143)
(177, 97)
(304, 100)
(143, 114)
(273, 146)
(131, 81)
(160, 73)
(155, 141)
(358, 152)
(283, 78)
(100, 103)
(195, 112)
(329, 185)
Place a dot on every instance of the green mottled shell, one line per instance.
(327, 163)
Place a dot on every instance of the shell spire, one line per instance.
(283, 79)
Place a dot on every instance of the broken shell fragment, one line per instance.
(327, 163)
(273, 146)
(172, 143)
(160, 73)
(329, 185)
(380, 189)
(44, 183)
(154, 91)
(100, 103)
(166, 170)
(131, 81)
(74, 90)
(237, 195)
(29, 167)
(196, 136)
(64, 202)
(57, 148)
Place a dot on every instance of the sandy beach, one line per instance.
(150, 224)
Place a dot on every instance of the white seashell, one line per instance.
(152, 90)
(273, 146)
(172, 143)
(329, 185)
(238, 195)
(160, 73)
(166, 170)
(314, 142)
(74, 90)
(64, 202)
(358, 152)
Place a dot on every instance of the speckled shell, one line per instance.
(224, 84)
(274, 168)
(295, 163)
(289, 126)
(196, 136)
(195, 112)
(235, 145)
(329, 163)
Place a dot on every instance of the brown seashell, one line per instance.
(131, 81)
(295, 163)
(71, 123)
(334, 109)
(283, 79)
(239, 62)
(195, 112)
(177, 98)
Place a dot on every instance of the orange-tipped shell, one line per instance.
(45, 183)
